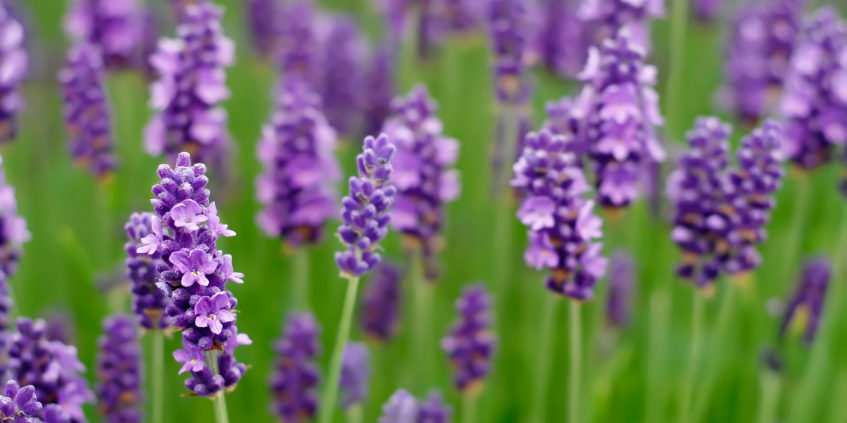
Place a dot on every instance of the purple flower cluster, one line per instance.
(87, 111)
(511, 43)
(470, 343)
(609, 18)
(340, 72)
(142, 268)
(119, 371)
(262, 15)
(814, 103)
(623, 113)
(621, 287)
(13, 232)
(379, 89)
(760, 47)
(298, 40)
(51, 367)
(355, 374)
(380, 303)
(297, 185)
(194, 273)
(423, 177)
(191, 86)
(564, 232)
(721, 212)
(20, 405)
(563, 39)
(808, 298)
(402, 407)
(116, 27)
(14, 65)
(365, 211)
(295, 376)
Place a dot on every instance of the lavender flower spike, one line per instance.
(380, 303)
(808, 299)
(263, 15)
(20, 405)
(191, 86)
(563, 40)
(87, 112)
(142, 269)
(621, 287)
(609, 18)
(13, 70)
(365, 210)
(402, 407)
(194, 274)
(341, 75)
(355, 374)
(13, 232)
(564, 232)
(470, 343)
(300, 170)
(119, 371)
(295, 375)
(511, 43)
(115, 26)
(434, 410)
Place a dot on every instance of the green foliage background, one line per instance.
(632, 375)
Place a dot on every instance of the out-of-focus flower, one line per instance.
(264, 24)
(297, 185)
(380, 303)
(115, 26)
(379, 89)
(119, 371)
(14, 66)
(510, 27)
(142, 268)
(621, 287)
(298, 51)
(355, 374)
(366, 209)
(470, 343)
(87, 112)
(806, 305)
(563, 39)
(609, 18)
(13, 232)
(340, 72)
(295, 376)
(706, 10)
(434, 410)
(402, 407)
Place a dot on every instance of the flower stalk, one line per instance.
(330, 391)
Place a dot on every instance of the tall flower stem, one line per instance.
(157, 375)
(503, 225)
(769, 396)
(693, 358)
(469, 408)
(542, 369)
(300, 277)
(575, 347)
(717, 339)
(221, 415)
(422, 335)
(679, 22)
(330, 390)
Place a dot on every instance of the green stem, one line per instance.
(693, 358)
(679, 22)
(330, 390)
(354, 414)
(575, 348)
(468, 408)
(510, 119)
(157, 373)
(221, 415)
(719, 343)
(542, 370)
(769, 397)
(422, 335)
(657, 354)
(300, 278)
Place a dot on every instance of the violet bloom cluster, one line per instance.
(20, 405)
(355, 374)
(564, 231)
(14, 66)
(87, 112)
(563, 39)
(379, 89)
(191, 86)
(624, 111)
(262, 22)
(470, 343)
(295, 375)
(365, 211)
(814, 102)
(119, 371)
(142, 269)
(298, 41)
(297, 148)
(340, 71)
(621, 290)
(13, 232)
(380, 304)
(608, 18)
(114, 26)
(194, 273)
(423, 176)
(402, 407)
(808, 299)
(511, 44)
(760, 47)
(51, 367)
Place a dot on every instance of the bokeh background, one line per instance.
(631, 375)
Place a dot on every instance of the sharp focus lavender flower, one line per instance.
(760, 47)
(624, 111)
(511, 43)
(51, 367)
(20, 405)
(621, 287)
(191, 86)
(355, 374)
(564, 232)
(379, 89)
(434, 410)
(194, 273)
(13, 232)
(402, 407)
(563, 40)
(366, 210)
(808, 299)
(380, 303)
(295, 375)
(115, 26)
(609, 18)
(87, 111)
(341, 72)
(470, 344)
(707, 10)
(423, 177)
(142, 268)
(296, 149)
(119, 371)
(14, 64)
(814, 103)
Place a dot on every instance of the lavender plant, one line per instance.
(608, 18)
(114, 26)
(808, 298)
(402, 407)
(20, 405)
(119, 371)
(295, 376)
(14, 68)
(379, 308)
(470, 343)
(355, 376)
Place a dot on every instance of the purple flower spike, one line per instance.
(423, 178)
(116, 27)
(355, 374)
(87, 111)
(263, 25)
(379, 89)
(298, 41)
(191, 87)
(20, 405)
(609, 18)
(194, 274)
(119, 371)
(814, 104)
(621, 120)
(295, 375)
(13, 232)
(380, 303)
(13, 71)
(563, 39)
(621, 287)
(297, 187)
(564, 231)
(707, 10)
(365, 210)
(402, 407)
(511, 43)
(808, 298)
(341, 75)
(434, 410)
(51, 367)
(470, 343)
(142, 268)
